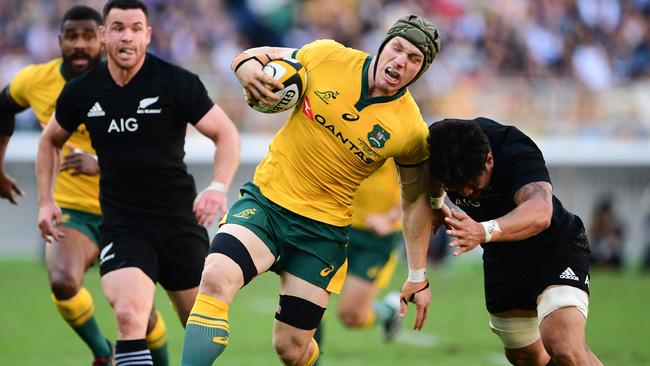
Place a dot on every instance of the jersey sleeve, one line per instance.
(527, 165)
(415, 150)
(312, 54)
(20, 85)
(67, 111)
(192, 98)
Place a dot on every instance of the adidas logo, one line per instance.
(96, 111)
(568, 274)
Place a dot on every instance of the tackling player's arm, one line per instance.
(248, 65)
(417, 216)
(47, 162)
(219, 128)
(8, 110)
(531, 216)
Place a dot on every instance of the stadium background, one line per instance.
(573, 74)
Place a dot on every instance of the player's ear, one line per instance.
(148, 35)
(101, 34)
(489, 162)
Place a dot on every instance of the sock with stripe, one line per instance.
(319, 335)
(315, 353)
(79, 312)
(132, 352)
(206, 332)
(157, 342)
(371, 319)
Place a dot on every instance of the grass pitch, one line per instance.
(456, 332)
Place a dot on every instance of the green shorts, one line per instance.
(372, 257)
(84, 222)
(311, 250)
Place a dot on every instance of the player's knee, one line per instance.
(563, 353)
(219, 278)
(64, 285)
(352, 318)
(291, 348)
(219, 269)
(129, 318)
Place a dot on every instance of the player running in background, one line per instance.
(536, 254)
(136, 108)
(372, 256)
(294, 217)
(77, 185)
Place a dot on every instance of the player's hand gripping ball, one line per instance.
(293, 76)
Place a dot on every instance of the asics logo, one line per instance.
(220, 340)
(326, 271)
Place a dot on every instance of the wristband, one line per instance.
(437, 202)
(217, 186)
(490, 227)
(246, 60)
(417, 275)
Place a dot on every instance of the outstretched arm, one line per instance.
(416, 225)
(219, 128)
(47, 166)
(531, 216)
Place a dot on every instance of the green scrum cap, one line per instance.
(421, 33)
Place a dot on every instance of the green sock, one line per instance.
(79, 312)
(206, 332)
(157, 342)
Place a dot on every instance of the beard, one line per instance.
(73, 65)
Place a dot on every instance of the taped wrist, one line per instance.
(299, 313)
(412, 297)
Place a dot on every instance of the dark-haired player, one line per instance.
(136, 108)
(294, 217)
(77, 186)
(536, 254)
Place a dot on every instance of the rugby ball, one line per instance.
(293, 77)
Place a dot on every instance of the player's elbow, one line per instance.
(543, 216)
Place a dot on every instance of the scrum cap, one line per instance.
(421, 33)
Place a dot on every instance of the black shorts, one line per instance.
(514, 282)
(170, 253)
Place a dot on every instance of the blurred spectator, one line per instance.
(606, 236)
(554, 67)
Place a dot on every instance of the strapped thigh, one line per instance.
(233, 248)
(299, 313)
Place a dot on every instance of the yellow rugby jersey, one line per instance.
(377, 195)
(38, 86)
(337, 136)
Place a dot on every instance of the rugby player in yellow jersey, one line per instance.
(374, 235)
(77, 187)
(294, 217)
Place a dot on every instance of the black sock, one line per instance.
(132, 350)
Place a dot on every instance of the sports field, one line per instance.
(456, 333)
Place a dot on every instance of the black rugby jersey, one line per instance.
(517, 162)
(138, 131)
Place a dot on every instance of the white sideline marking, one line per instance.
(418, 339)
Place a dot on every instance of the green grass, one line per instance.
(456, 332)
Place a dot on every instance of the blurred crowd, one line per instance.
(553, 67)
